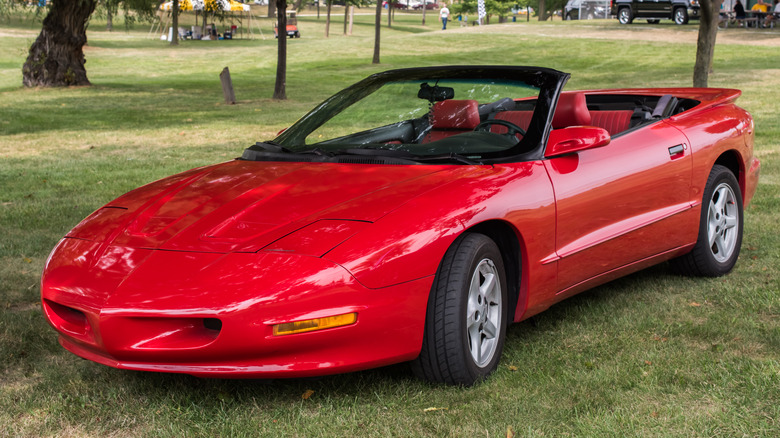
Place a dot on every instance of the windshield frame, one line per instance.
(531, 146)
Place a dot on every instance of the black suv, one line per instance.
(654, 10)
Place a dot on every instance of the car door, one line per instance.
(621, 203)
(654, 8)
(644, 8)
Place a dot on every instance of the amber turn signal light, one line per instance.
(309, 325)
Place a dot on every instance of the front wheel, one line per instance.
(681, 16)
(720, 228)
(624, 16)
(466, 319)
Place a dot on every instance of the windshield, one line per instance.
(474, 113)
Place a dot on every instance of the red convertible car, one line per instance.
(410, 217)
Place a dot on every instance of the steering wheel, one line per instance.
(513, 129)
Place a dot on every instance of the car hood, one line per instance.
(247, 205)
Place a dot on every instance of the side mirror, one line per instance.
(574, 139)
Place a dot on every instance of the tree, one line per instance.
(327, 19)
(271, 8)
(705, 44)
(280, 91)
(175, 23)
(56, 58)
(377, 26)
(111, 6)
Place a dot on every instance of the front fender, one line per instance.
(409, 243)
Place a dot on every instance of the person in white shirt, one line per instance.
(444, 14)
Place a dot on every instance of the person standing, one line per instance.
(444, 14)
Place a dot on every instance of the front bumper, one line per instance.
(212, 314)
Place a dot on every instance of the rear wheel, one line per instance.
(466, 319)
(720, 228)
(680, 16)
(625, 16)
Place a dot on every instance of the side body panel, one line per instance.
(621, 203)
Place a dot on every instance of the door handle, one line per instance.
(677, 151)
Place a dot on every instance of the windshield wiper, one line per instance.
(452, 156)
(395, 153)
(373, 152)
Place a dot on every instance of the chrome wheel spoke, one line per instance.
(731, 222)
(489, 330)
(487, 287)
(475, 343)
(723, 194)
(719, 245)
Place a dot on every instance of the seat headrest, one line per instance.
(455, 114)
(572, 110)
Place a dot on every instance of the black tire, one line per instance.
(448, 349)
(680, 16)
(625, 16)
(721, 216)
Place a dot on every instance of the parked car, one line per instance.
(396, 4)
(428, 5)
(681, 11)
(586, 9)
(411, 217)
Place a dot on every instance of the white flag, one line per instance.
(481, 10)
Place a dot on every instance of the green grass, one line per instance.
(649, 355)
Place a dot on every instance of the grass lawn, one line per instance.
(652, 354)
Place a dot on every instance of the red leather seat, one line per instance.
(519, 118)
(452, 117)
(572, 110)
(613, 121)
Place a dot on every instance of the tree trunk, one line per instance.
(425, 6)
(377, 27)
(705, 44)
(175, 23)
(110, 16)
(327, 19)
(271, 8)
(346, 17)
(280, 92)
(56, 58)
(542, 14)
(389, 14)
